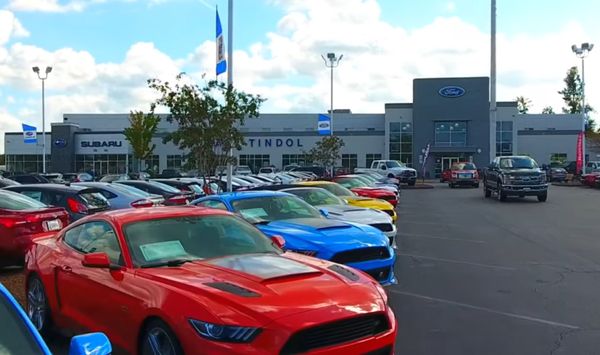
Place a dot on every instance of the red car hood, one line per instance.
(374, 190)
(265, 287)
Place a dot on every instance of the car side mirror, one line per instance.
(92, 343)
(278, 241)
(324, 212)
(96, 260)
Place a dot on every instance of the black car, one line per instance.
(30, 179)
(79, 201)
(172, 195)
(77, 177)
(4, 182)
(171, 173)
(515, 176)
(185, 185)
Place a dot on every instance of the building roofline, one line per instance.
(399, 105)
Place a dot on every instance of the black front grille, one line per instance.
(337, 332)
(362, 254)
(384, 227)
(409, 173)
(390, 212)
(380, 274)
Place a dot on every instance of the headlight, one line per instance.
(225, 333)
(543, 178)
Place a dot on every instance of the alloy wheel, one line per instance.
(158, 342)
(36, 304)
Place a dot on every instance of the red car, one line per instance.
(590, 179)
(192, 280)
(463, 173)
(22, 221)
(361, 188)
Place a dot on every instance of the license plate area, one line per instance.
(52, 225)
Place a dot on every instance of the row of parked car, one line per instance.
(271, 268)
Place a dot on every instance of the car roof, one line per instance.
(315, 183)
(129, 215)
(251, 194)
(53, 187)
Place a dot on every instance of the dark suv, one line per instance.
(515, 176)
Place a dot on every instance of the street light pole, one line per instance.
(331, 62)
(582, 52)
(43, 79)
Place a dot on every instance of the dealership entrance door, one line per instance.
(448, 161)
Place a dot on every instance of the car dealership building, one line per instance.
(450, 116)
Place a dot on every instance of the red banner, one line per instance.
(579, 157)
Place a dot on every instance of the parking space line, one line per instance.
(484, 309)
(430, 223)
(507, 268)
(442, 238)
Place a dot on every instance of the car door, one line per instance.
(90, 297)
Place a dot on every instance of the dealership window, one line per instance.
(174, 161)
(451, 134)
(298, 159)
(349, 161)
(101, 164)
(254, 161)
(401, 142)
(371, 157)
(504, 138)
(27, 163)
(558, 157)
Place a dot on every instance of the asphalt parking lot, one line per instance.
(477, 276)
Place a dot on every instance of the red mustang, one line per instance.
(175, 280)
(360, 188)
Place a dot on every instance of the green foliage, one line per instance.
(142, 128)
(207, 117)
(548, 110)
(523, 104)
(572, 95)
(326, 151)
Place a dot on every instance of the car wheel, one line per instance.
(451, 185)
(159, 339)
(542, 197)
(501, 195)
(486, 191)
(37, 305)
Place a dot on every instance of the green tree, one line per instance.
(207, 117)
(523, 104)
(326, 151)
(548, 110)
(142, 128)
(572, 95)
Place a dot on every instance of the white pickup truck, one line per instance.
(394, 169)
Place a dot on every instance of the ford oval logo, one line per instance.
(60, 143)
(452, 91)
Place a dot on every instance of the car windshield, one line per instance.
(15, 336)
(392, 164)
(160, 241)
(351, 183)
(336, 189)
(518, 163)
(274, 208)
(165, 187)
(316, 196)
(464, 166)
(130, 189)
(18, 202)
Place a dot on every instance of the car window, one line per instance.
(193, 237)
(274, 208)
(463, 166)
(52, 198)
(16, 202)
(213, 204)
(107, 194)
(36, 195)
(95, 237)
(93, 199)
(15, 336)
(317, 197)
(166, 187)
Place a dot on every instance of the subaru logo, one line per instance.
(451, 91)
(60, 143)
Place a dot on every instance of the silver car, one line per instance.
(122, 196)
(338, 209)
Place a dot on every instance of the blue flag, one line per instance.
(29, 134)
(324, 125)
(221, 61)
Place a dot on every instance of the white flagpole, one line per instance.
(229, 76)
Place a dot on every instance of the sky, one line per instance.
(103, 51)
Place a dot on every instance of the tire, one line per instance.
(37, 308)
(157, 338)
(501, 195)
(451, 185)
(543, 197)
(486, 191)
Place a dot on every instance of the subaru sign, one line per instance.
(451, 91)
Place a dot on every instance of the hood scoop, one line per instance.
(233, 289)
(264, 266)
(319, 223)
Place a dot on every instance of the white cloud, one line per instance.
(451, 6)
(10, 27)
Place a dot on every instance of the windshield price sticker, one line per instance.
(163, 250)
(254, 213)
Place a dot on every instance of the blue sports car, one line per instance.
(308, 232)
(19, 336)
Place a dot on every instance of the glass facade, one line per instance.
(401, 142)
(504, 138)
(174, 161)
(349, 161)
(299, 159)
(371, 157)
(27, 163)
(254, 161)
(102, 164)
(451, 134)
